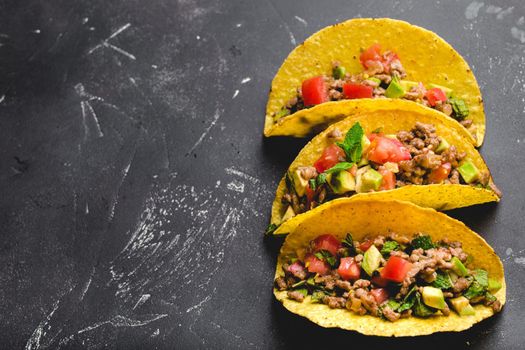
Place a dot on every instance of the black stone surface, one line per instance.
(136, 185)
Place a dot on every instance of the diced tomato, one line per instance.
(434, 95)
(348, 269)
(353, 170)
(353, 91)
(396, 269)
(379, 281)
(384, 149)
(332, 155)
(373, 53)
(439, 174)
(389, 179)
(315, 265)
(314, 91)
(296, 267)
(327, 242)
(365, 245)
(380, 295)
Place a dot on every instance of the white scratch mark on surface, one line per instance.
(143, 298)
(95, 119)
(36, 31)
(302, 20)
(238, 25)
(493, 9)
(520, 260)
(87, 209)
(245, 80)
(88, 283)
(198, 306)
(235, 94)
(81, 91)
(85, 20)
(472, 9)
(233, 171)
(216, 117)
(34, 341)
(505, 12)
(236, 186)
(283, 22)
(125, 172)
(155, 333)
(217, 185)
(118, 31)
(518, 34)
(198, 37)
(508, 251)
(105, 43)
(119, 50)
(2, 98)
(121, 321)
(520, 21)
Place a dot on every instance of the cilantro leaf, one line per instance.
(348, 242)
(313, 184)
(420, 309)
(326, 256)
(474, 290)
(408, 301)
(482, 277)
(317, 296)
(303, 291)
(442, 281)
(394, 305)
(491, 298)
(423, 241)
(352, 143)
(321, 179)
(389, 246)
(270, 229)
(339, 167)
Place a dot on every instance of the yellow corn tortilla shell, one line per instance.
(369, 217)
(440, 197)
(425, 56)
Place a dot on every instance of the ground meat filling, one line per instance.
(430, 265)
(378, 77)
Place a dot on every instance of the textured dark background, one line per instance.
(135, 183)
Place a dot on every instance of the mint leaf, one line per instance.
(348, 242)
(326, 256)
(389, 246)
(339, 167)
(442, 281)
(352, 143)
(408, 301)
(313, 184)
(394, 305)
(321, 179)
(303, 291)
(270, 229)
(474, 290)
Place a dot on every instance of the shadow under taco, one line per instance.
(388, 268)
(371, 59)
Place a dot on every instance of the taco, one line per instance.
(405, 154)
(370, 59)
(388, 268)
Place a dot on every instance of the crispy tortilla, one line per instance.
(369, 217)
(425, 56)
(440, 197)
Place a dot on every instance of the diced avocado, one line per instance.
(370, 181)
(462, 306)
(446, 90)
(458, 267)
(469, 172)
(338, 72)
(375, 80)
(342, 182)
(365, 144)
(371, 260)
(288, 214)
(459, 107)
(494, 285)
(443, 146)
(433, 297)
(394, 89)
(407, 84)
(299, 182)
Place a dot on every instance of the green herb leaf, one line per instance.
(420, 309)
(459, 107)
(348, 242)
(339, 167)
(281, 114)
(321, 179)
(482, 277)
(377, 130)
(311, 281)
(317, 296)
(303, 291)
(408, 301)
(338, 72)
(389, 246)
(298, 284)
(424, 242)
(270, 229)
(394, 305)
(352, 143)
(474, 290)
(326, 256)
(491, 298)
(442, 281)
(313, 184)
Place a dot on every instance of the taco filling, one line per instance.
(383, 76)
(360, 163)
(389, 276)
